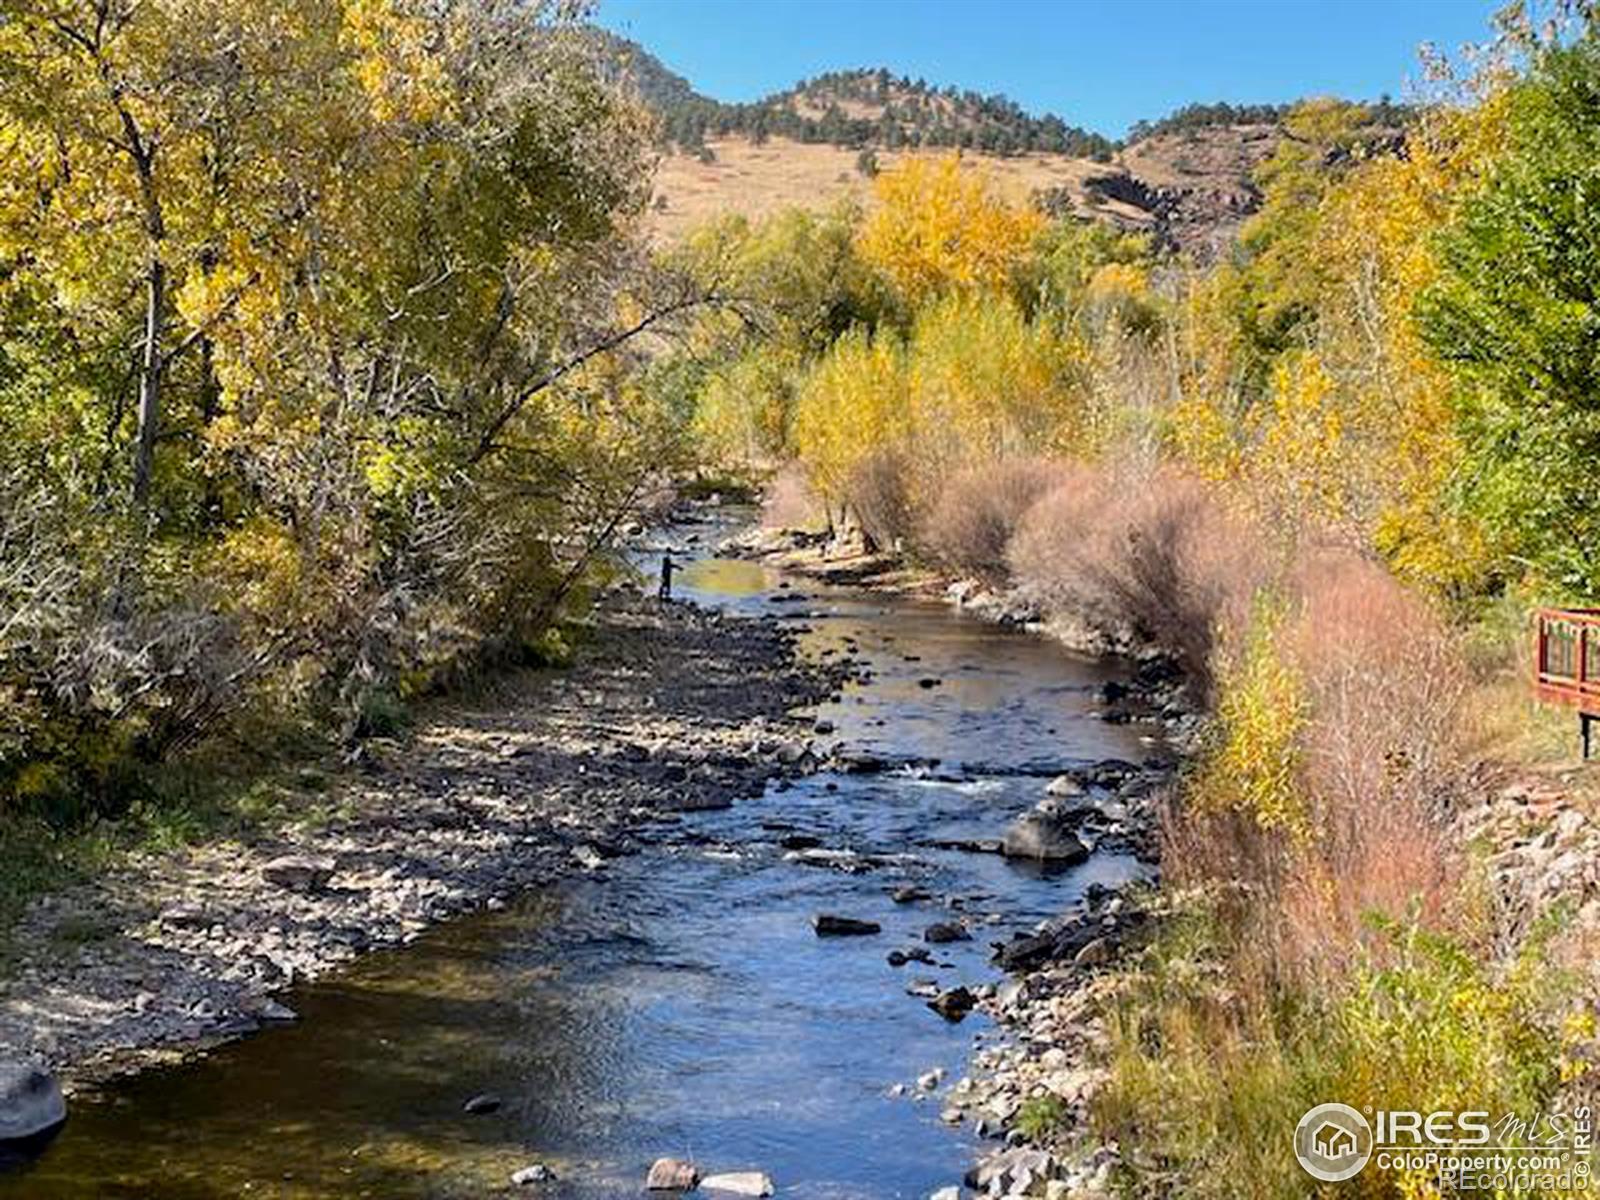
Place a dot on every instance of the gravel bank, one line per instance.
(668, 709)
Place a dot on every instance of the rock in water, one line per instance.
(1042, 839)
(828, 925)
(299, 872)
(482, 1106)
(740, 1183)
(537, 1173)
(1064, 786)
(671, 1175)
(945, 931)
(31, 1104)
(954, 1004)
(273, 1013)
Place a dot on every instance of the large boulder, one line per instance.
(31, 1104)
(1043, 838)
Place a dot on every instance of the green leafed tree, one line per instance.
(1516, 314)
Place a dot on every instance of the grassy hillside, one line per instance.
(1185, 178)
(1191, 189)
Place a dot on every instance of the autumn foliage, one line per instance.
(312, 383)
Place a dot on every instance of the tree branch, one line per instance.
(487, 444)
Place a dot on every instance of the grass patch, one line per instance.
(1041, 1118)
(1214, 1062)
(266, 775)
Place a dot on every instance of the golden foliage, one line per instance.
(938, 228)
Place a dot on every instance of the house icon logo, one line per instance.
(1333, 1142)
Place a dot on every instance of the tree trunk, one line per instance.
(150, 372)
(210, 410)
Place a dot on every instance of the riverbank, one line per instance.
(667, 709)
(1523, 835)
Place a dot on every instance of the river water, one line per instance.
(678, 1001)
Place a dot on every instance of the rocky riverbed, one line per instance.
(1048, 1009)
(669, 710)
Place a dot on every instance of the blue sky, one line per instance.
(1101, 64)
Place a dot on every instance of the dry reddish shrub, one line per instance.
(1379, 760)
(1383, 751)
(971, 523)
(879, 493)
(788, 501)
(1157, 556)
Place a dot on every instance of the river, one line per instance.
(676, 1002)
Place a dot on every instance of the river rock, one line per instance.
(740, 1183)
(299, 872)
(272, 1012)
(1042, 839)
(909, 894)
(31, 1104)
(537, 1173)
(954, 1004)
(829, 925)
(945, 931)
(1093, 954)
(671, 1175)
(946, 1193)
(1063, 787)
(482, 1105)
(1011, 1167)
(712, 800)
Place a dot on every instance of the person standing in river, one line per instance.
(667, 568)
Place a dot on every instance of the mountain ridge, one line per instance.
(1186, 178)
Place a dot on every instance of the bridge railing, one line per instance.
(1569, 657)
(1567, 663)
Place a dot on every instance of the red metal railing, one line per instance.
(1568, 663)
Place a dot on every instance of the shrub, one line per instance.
(1159, 558)
(789, 502)
(971, 523)
(879, 493)
(1211, 1072)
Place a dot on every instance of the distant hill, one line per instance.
(851, 110)
(1185, 179)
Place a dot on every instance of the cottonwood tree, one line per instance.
(324, 322)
